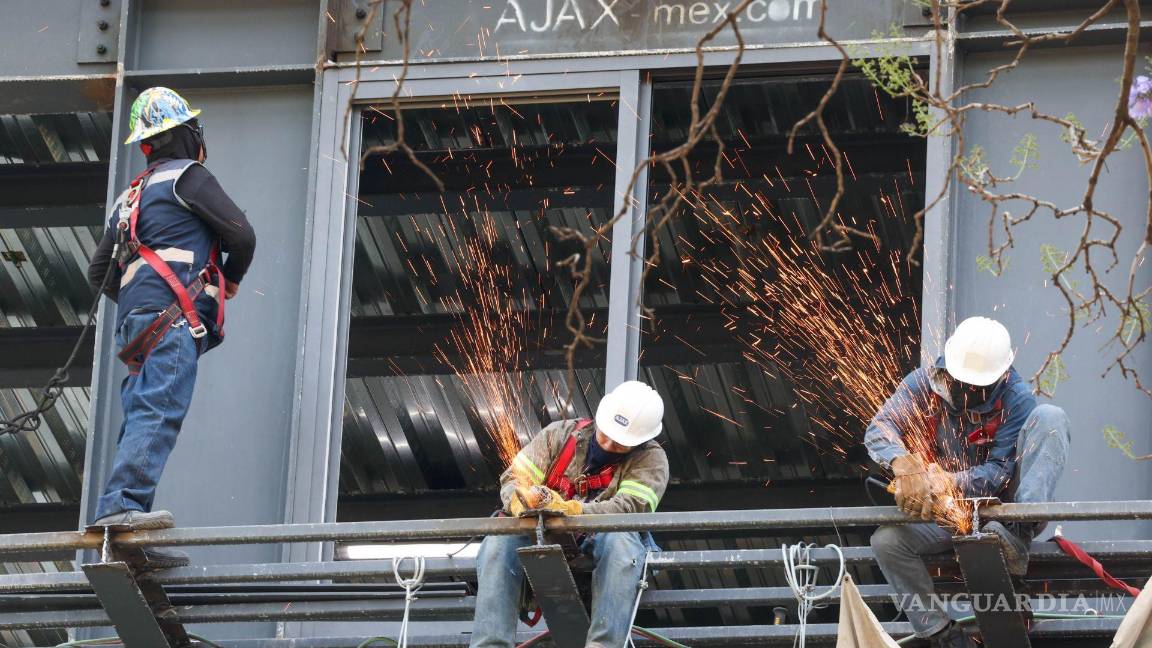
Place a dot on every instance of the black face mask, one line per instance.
(965, 396)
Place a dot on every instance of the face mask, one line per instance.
(965, 396)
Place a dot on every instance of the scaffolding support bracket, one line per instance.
(994, 598)
(556, 593)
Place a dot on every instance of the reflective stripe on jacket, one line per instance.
(637, 486)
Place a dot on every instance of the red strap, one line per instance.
(1072, 549)
(169, 276)
(557, 480)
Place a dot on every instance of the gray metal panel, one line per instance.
(1076, 80)
(40, 39)
(222, 33)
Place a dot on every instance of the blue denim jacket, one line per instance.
(981, 470)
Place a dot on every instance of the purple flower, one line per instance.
(1140, 98)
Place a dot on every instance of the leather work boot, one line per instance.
(167, 559)
(1013, 544)
(136, 521)
(952, 636)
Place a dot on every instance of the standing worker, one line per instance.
(968, 426)
(165, 235)
(580, 467)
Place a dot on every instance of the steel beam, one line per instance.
(691, 522)
(32, 354)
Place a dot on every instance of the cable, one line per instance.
(801, 575)
(657, 637)
(411, 586)
(368, 642)
(31, 420)
(643, 586)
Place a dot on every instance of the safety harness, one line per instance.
(129, 245)
(982, 435)
(584, 484)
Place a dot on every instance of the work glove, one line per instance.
(561, 505)
(913, 489)
(944, 488)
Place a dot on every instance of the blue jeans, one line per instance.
(615, 582)
(155, 402)
(1041, 451)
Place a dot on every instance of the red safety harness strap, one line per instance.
(136, 351)
(558, 481)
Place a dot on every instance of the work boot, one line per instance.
(136, 521)
(1014, 544)
(952, 636)
(167, 559)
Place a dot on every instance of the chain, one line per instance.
(31, 420)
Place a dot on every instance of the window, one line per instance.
(457, 331)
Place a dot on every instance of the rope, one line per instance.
(31, 420)
(1076, 551)
(411, 586)
(639, 593)
(801, 575)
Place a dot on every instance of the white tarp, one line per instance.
(858, 626)
(1136, 628)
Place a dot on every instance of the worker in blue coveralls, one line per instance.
(968, 426)
(161, 260)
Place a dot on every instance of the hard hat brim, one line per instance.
(144, 133)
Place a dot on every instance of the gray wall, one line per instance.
(1082, 81)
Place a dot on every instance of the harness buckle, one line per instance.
(198, 331)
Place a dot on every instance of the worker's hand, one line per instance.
(567, 507)
(943, 486)
(913, 487)
(516, 502)
(230, 289)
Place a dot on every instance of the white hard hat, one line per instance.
(631, 414)
(979, 352)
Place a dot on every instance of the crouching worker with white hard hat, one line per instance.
(968, 426)
(580, 467)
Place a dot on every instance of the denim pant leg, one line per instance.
(1041, 452)
(155, 402)
(500, 575)
(615, 583)
(899, 551)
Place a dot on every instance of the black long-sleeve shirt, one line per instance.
(207, 199)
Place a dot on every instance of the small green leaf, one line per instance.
(1136, 318)
(992, 266)
(1053, 375)
(1116, 439)
(1025, 154)
(1052, 258)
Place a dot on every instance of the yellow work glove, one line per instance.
(913, 489)
(561, 505)
(515, 506)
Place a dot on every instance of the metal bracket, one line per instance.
(1001, 623)
(99, 35)
(125, 604)
(556, 593)
(137, 605)
(349, 17)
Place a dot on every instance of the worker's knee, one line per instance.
(887, 539)
(1048, 418)
(625, 546)
(499, 550)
